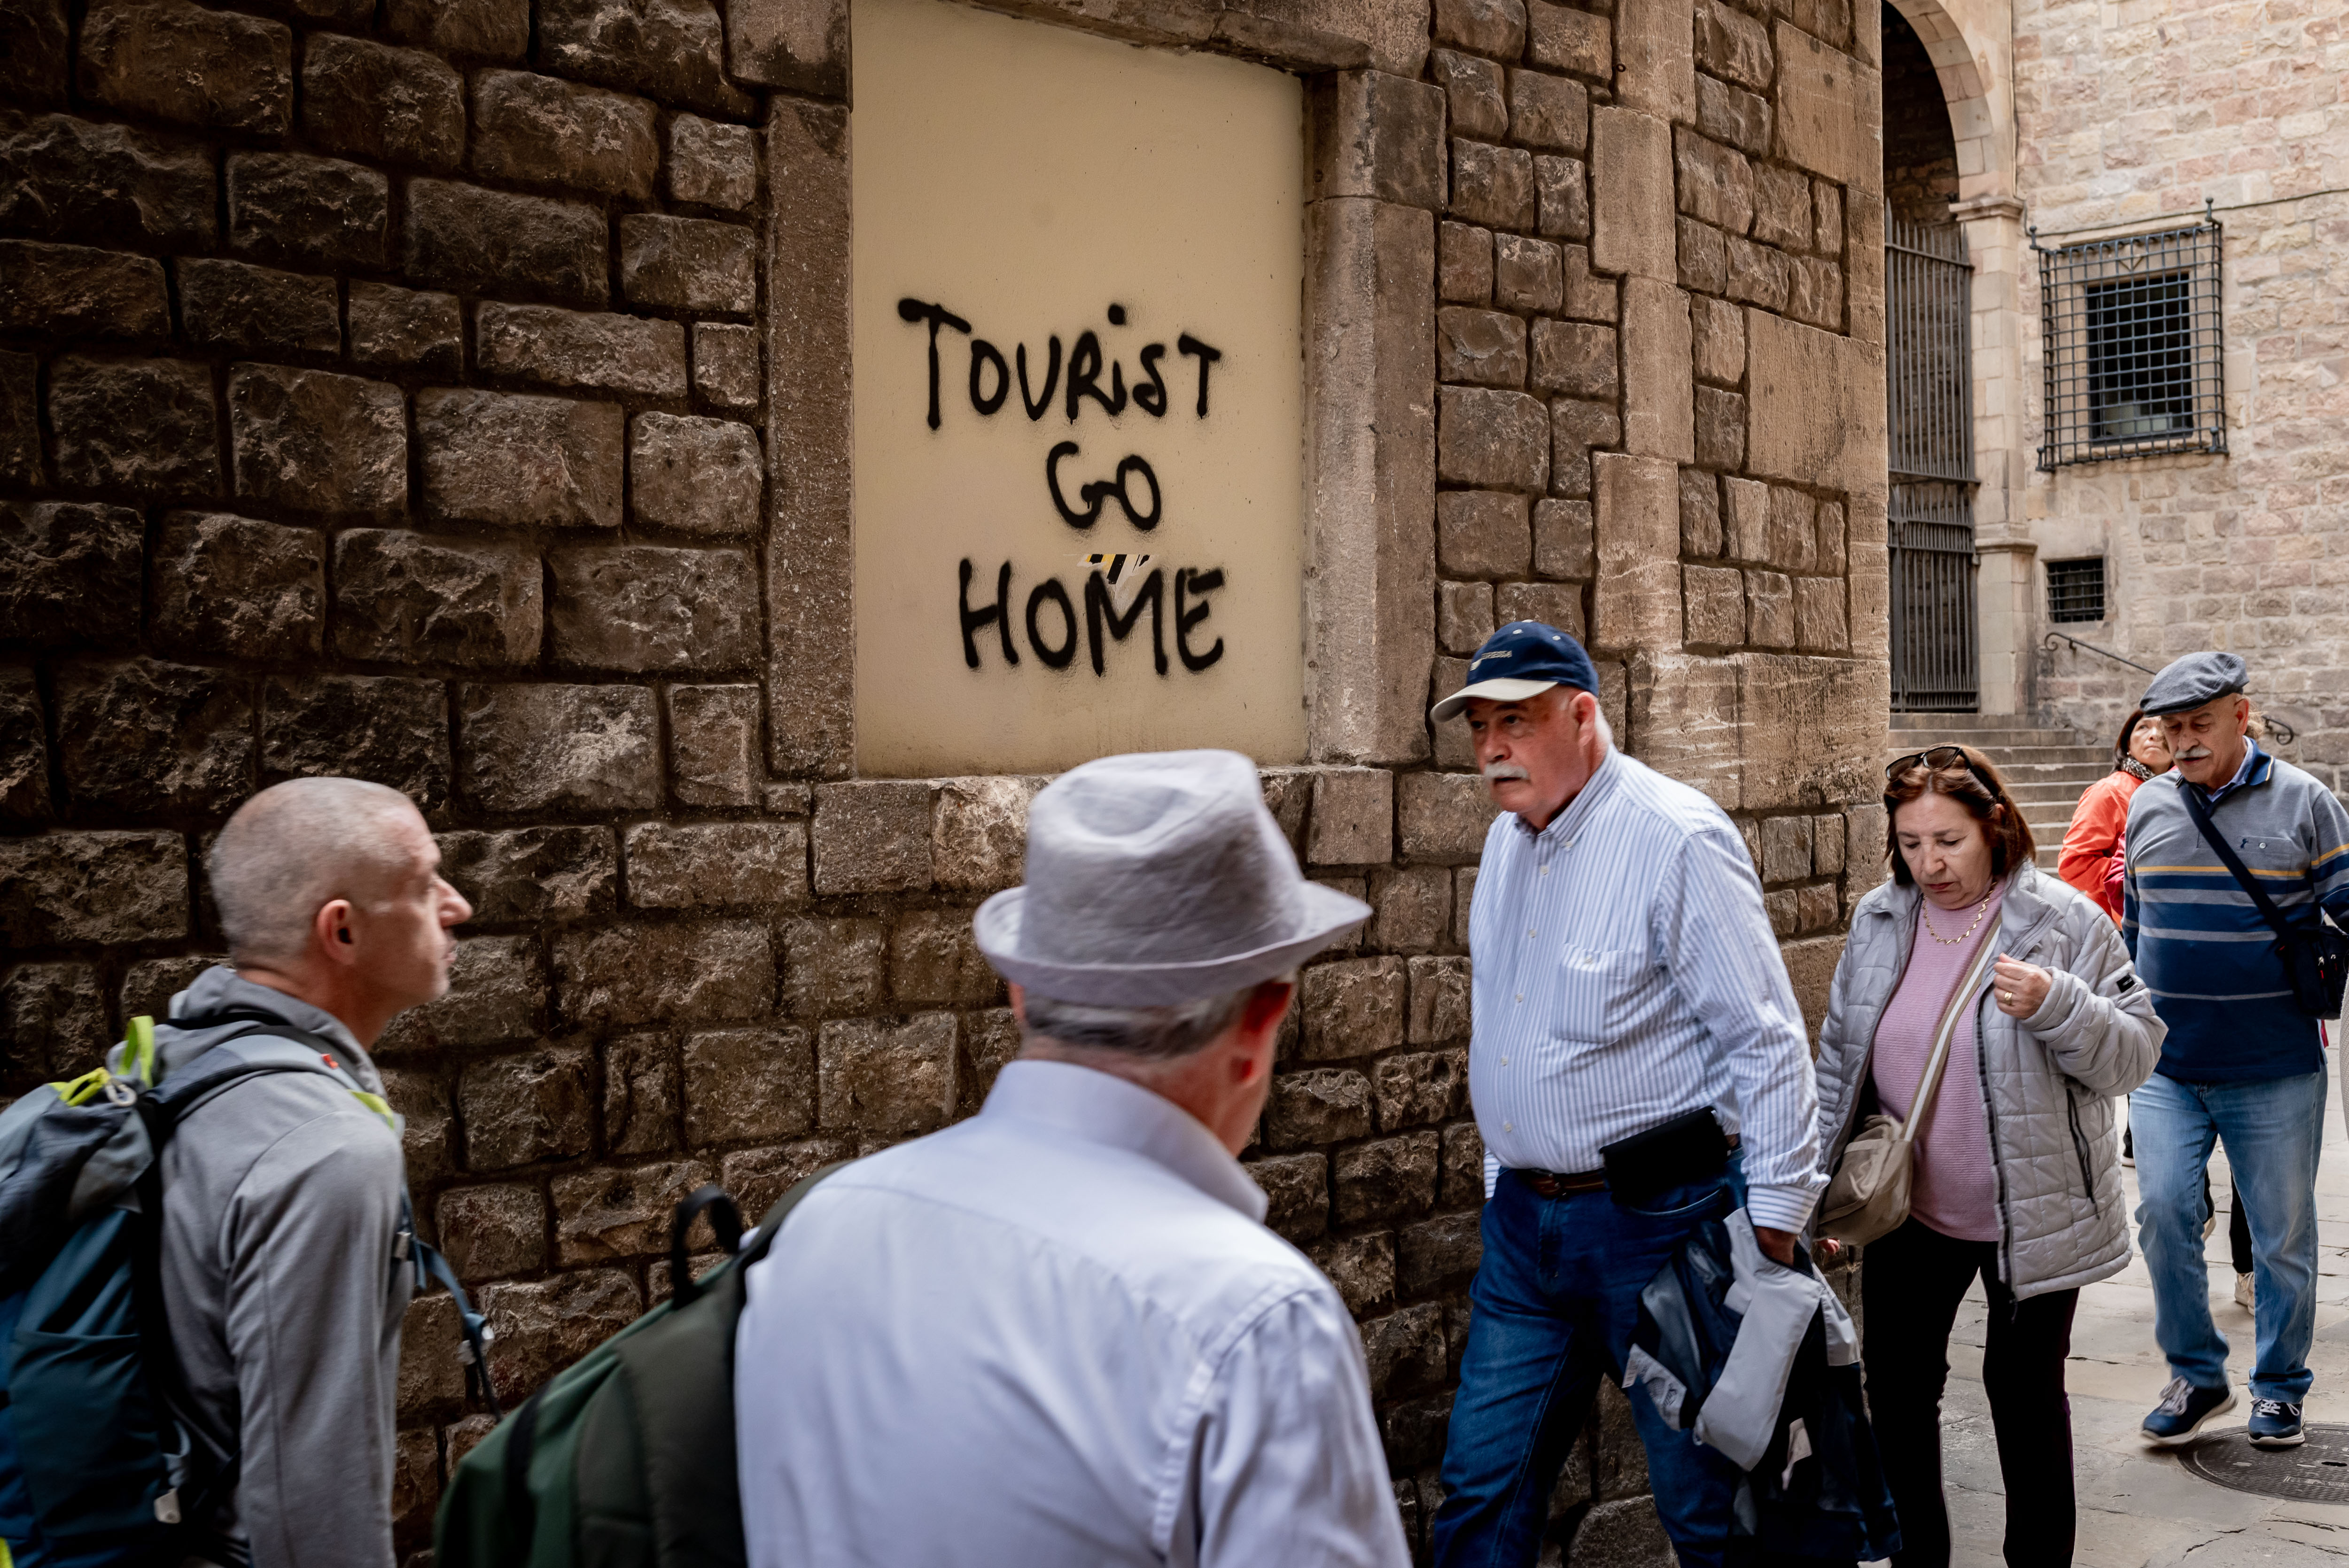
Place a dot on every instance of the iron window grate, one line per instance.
(2133, 341)
(2076, 590)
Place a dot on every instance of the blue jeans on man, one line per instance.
(1554, 1304)
(2273, 1130)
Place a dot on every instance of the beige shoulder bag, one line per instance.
(1869, 1195)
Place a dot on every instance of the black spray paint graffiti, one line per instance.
(1049, 600)
(1085, 364)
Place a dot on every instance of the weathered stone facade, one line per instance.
(456, 395)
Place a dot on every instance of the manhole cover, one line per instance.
(2316, 1471)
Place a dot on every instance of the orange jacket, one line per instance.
(2092, 842)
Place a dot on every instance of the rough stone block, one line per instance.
(1413, 908)
(1632, 194)
(1563, 187)
(1635, 597)
(620, 1214)
(1655, 71)
(758, 1177)
(401, 329)
(872, 836)
(581, 348)
(1734, 46)
(1464, 264)
(1829, 553)
(641, 1096)
(233, 586)
(1827, 205)
(1756, 274)
(1836, 437)
(1482, 533)
(1440, 1255)
(519, 1110)
(1566, 39)
(316, 441)
(35, 51)
(1819, 623)
(1362, 1269)
(23, 751)
(1562, 540)
(1703, 256)
(145, 424)
(1324, 1105)
(800, 46)
(497, 994)
(1442, 817)
(934, 961)
(697, 475)
(63, 888)
(1574, 357)
(1548, 111)
(307, 212)
(1438, 1002)
(713, 739)
(385, 730)
(521, 460)
(65, 178)
(979, 834)
(1527, 275)
(1353, 817)
(372, 101)
(1793, 529)
(1464, 616)
(1391, 1179)
(1746, 519)
(671, 49)
(52, 1022)
(231, 307)
(1732, 115)
(1815, 292)
(1700, 514)
(142, 736)
(1864, 225)
(1769, 609)
(1716, 605)
(544, 131)
(570, 747)
(1720, 429)
(1556, 604)
(1491, 438)
(641, 607)
(1720, 336)
(713, 164)
(492, 1232)
(1420, 1087)
(725, 366)
(877, 1078)
(1575, 427)
(1463, 1154)
(1828, 121)
(1351, 1008)
(1781, 208)
(1473, 91)
(474, 240)
(687, 972)
(411, 599)
(747, 1084)
(1480, 347)
(1588, 298)
(1495, 27)
(1785, 849)
(543, 1326)
(688, 264)
(833, 966)
(1659, 411)
(20, 420)
(533, 875)
(1298, 1186)
(492, 29)
(180, 62)
(1492, 185)
(707, 865)
(1716, 183)
(69, 571)
(75, 291)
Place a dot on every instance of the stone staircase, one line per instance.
(2046, 767)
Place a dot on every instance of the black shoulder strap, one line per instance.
(2242, 873)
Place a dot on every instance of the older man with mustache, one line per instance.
(1639, 1067)
(2244, 1061)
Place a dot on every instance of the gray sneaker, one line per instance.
(2182, 1412)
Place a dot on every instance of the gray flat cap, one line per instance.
(1153, 879)
(2192, 681)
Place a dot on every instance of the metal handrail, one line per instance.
(2052, 637)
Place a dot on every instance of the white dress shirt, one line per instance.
(1056, 1336)
(1625, 972)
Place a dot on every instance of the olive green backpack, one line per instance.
(625, 1459)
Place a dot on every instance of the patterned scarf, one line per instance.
(2135, 770)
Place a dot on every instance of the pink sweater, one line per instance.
(1955, 1189)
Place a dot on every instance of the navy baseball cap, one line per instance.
(1522, 659)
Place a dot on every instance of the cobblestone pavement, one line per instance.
(2140, 1509)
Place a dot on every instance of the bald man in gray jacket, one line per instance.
(284, 1272)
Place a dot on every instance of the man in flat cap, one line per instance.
(2228, 830)
(1639, 1066)
(1059, 1333)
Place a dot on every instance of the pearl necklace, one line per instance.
(1924, 912)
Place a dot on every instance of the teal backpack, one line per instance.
(627, 1459)
(98, 1466)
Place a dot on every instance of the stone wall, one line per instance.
(456, 395)
(2129, 122)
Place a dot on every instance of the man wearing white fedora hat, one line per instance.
(1059, 1333)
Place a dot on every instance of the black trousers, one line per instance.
(1912, 1283)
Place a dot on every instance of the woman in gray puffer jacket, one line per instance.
(2016, 1169)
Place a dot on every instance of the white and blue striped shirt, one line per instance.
(1625, 972)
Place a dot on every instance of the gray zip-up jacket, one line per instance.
(281, 1203)
(2047, 1082)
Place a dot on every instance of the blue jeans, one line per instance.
(2272, 1129)
(1554, 1304)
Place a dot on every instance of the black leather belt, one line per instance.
(1570, 1183)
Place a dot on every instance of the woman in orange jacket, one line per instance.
(2092, 845)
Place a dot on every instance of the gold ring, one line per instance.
(2006, 996)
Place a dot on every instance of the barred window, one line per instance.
(2076, 590)
(2132, 341)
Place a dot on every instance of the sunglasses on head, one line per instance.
(1938, 758)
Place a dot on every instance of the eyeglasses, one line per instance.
(1937, 757)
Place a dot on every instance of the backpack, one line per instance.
(627, 1459)
(99, 1464)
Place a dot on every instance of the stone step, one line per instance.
(1997, 742)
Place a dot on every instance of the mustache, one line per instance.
(1499, 772)
(2190, 754)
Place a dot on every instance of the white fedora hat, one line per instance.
(1153, 879)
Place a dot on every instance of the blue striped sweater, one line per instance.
(2198, 941)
